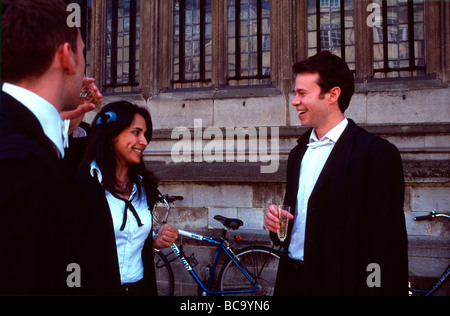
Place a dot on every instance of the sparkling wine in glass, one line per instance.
(283, 211)
(88, 95)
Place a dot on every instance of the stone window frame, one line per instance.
(286, 47)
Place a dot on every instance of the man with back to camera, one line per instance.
(345, 186)
(42, 71)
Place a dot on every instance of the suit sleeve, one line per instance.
(386, 231)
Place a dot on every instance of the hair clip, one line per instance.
(105, 118)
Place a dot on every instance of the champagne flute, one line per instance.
(283, 212)
(88, 94)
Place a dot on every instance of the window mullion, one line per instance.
(238, 39)
(114, 31)
(259, 37)
(182, 63)
(132, 45)
(202, 40)
(412, 59)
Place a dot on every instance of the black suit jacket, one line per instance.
(101, 274)
(354, 216)
(37, 207)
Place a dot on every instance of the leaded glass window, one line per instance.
(192, 50)
(122, 45)
(399, 42)
(331, 26)
(248, 42)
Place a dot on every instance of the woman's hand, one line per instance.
(167, 235)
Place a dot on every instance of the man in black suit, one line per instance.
(345, 186)
(42, 73)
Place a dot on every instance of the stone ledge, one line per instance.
(426, 171)
(429, 247)
(213, 94)
(216, 172)
(230, 92)
(401, 84)
(377, 129)
(236, 172)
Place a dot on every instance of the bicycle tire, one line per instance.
(261, 261)
(440, 282)
(164, 274)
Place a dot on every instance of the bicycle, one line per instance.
(251, 270)
(445, 275)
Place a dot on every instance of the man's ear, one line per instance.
(66, 56)
(334, 94)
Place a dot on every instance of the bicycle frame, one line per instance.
(445, 275)
(436, 286)
(222, 246)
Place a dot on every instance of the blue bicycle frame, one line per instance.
(220, 243)
(436, 286)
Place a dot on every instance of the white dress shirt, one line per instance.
(48, 116)
(130, 241)
(311, 166)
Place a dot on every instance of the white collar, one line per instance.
(48, 116)
(96, 173)
(332, 134)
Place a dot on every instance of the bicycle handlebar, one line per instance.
(169, 198)
(431, 216)
(166, 199)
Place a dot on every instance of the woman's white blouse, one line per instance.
(130, 241)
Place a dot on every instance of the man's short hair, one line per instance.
(333, 72)
(32, 31)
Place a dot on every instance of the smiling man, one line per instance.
(345, 187)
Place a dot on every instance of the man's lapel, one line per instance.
(338, 162)
(294, 175)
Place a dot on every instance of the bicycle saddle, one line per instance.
(233, 223)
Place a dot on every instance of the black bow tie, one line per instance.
(129, 206)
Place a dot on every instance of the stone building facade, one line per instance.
(216, 76)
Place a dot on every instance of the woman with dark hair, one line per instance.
(120, 194)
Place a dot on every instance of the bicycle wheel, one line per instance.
(261, 262)
(164, 275)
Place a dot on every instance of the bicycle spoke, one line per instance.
(260, 262)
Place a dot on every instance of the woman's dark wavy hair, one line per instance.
(109, 123)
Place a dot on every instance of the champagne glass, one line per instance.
(88, 94)
(283, 212)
